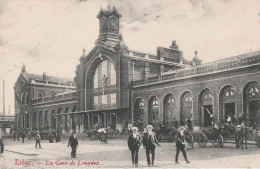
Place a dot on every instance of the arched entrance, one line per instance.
(34, 121)
(53, 119)
(46, 120)
(67, 120)
(153, 111)
(227, 103)
(59, 122)
(139, 113)
(169, 116)
(186, 107)
(41, 120)
(206, 108)
(251, 98)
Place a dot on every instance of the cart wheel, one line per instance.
(220, 141)
(202, 140)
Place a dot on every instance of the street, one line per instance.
(116, 154)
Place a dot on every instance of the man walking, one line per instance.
(38, 140)
(73, 143)
(180, 145)
(149, 142)
(134, 142)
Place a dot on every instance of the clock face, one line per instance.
(113, 22)
(103, 21)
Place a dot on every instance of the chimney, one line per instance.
(23, 68)
(44, 76)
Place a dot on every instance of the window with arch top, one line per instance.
(105, 75)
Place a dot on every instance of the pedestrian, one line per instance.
(23, 136)
(149, 141)
(189, 124)
(18, 135)
(180, 145)
(73, 143)
(134, 143)
(1, 145)
(38, 140)
(50, 137)
(14, 135)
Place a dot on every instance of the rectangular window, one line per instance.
(113, 98)
(104, 99)
(95, 100)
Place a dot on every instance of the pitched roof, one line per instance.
(31, 76)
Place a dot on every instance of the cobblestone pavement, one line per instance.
(115, 154)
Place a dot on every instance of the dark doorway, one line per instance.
(95, 120)
(207, 113)
(113, 121)
(254, 113)
(229, 111)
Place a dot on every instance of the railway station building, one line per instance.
(120, 87)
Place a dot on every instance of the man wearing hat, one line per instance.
(180, 145)
(73, 143)
(38, 139)
(149, 143)
(134, 142)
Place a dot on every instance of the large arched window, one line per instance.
(186, 107)
(105, 75)
(153, 111)
(168, 109)
(228, 103)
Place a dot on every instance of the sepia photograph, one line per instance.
(129, 84)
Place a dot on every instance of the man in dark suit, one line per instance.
(38, 139)
(73, 143)
(149, 143)
(134, 142)
(180, 145)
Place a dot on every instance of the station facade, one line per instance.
(116, 86)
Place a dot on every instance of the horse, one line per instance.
(242, 135)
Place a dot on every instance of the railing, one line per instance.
(55, 98)
(225, 64)
(68, 84)
(153, 79)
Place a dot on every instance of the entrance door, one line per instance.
(254, 113)
(113, 120)
(229, 111)
(207, 112)
(95, 120)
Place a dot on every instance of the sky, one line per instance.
(49, 35)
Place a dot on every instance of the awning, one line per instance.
(88, 111)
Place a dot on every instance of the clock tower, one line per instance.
(109, 25)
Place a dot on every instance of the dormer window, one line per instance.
(40, 95)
